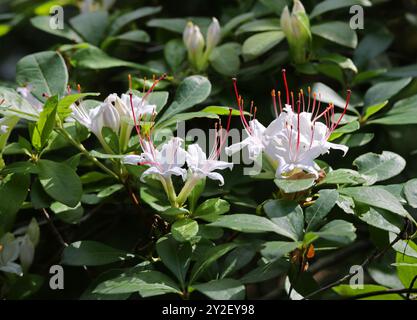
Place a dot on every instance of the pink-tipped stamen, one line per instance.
(284, 76)
(298, 125)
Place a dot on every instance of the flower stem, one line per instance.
(85, 152)
(186, 190)
(169, 190)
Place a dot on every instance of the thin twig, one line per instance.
(54, 229)
(382, 292)
(411, 287)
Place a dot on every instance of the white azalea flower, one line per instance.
(165, 162)
(95, 119)
(124, 106)
(294, 139)
(302, 140)
(202, 167)
(25, 92)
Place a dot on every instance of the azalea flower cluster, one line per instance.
(115, 113)
(295, 138)
(170, 158)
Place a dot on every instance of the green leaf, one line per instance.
(177, 25)
(60, 182)
(222, 289)
(346, 290)
(402, 113)
(45, 124)
(13, 191)
(247, 223)
(91, 25)
(404, 247)
(378, 167)
(148, 283)
(175, 256)
(343, 176)
(131, 16)
(92, 253)
(261, 25)
(371, 110)
(373, 44)
(291, 186)
(67, 214)
(266, 271)
(260, 43)
(357, 139)
(43, 23)
(210, 256)
(175, 53)
(222, 111)
(330, 5)
(184, 229)
(410, 192)
(211, 209)
(338, 32)
(138, 36)
(406, 269)
(191, 91)
(382, 219)
(45, 72)
(287, 216)
(328, 95)
(384, 90)
(158, 98)
(341, 61)
(347, 128)
(339, 231)
(90, 57)
(273, 250)
(64, 104)
(316, 213)
(375, 196)
(225, 58)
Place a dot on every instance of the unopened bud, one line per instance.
(213, 35)
(296, 27)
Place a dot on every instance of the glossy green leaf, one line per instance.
(378, 167)
(92, 253)
(60, 182)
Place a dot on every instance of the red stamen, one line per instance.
(78, 88)
(298, 125)
(344, 111)
(309, 98)
(240, 105)
(284, 76)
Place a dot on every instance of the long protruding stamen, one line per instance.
(309, 98)
(292, 101)
(239, 101)
(284, 76)
(279, 100)
(298, 125)
(274, 102)
(344, 111)
(154, 85)
(302, 98)
(314, 104)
